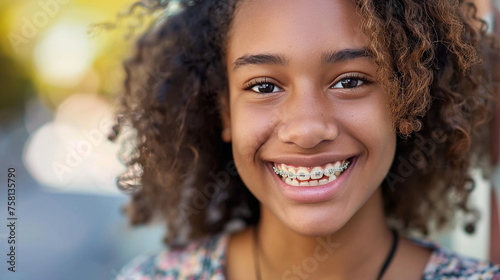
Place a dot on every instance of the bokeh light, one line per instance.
(63, 56)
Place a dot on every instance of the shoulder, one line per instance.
(444, 264)
(201, 259)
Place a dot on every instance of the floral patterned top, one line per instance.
(206, 259)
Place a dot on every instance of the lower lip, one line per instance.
(314, 194)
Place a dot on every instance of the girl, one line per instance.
(306, 139)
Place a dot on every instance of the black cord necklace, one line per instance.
(387, 261)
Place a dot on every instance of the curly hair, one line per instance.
(429, 57)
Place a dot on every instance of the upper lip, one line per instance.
(309, 160)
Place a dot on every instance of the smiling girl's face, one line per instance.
(304, 101)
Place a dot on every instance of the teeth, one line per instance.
(291, 173)
(316, 173)
(284, 172)
(328, 169)
(332, 177)
(336, 166)
(300, 176)
(292, 182)
(303, 174)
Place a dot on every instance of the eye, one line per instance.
(263, 87)
(349, 83)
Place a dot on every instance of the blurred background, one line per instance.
(58, 86)
(57, 90)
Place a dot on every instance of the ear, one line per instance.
(225, 117)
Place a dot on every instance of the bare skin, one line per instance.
(483, 7)
(303, 93)
(409, 260)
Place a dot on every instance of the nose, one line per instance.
(308, 119)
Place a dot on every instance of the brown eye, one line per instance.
(265, 88)
(349, 83)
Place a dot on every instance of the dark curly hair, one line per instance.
(429, 56)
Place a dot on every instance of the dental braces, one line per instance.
(318, 174)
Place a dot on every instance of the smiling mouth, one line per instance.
(310, 176)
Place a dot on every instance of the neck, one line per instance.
(358, 248)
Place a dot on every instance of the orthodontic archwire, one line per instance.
(328, 172)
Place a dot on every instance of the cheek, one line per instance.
(251, 127)
(382, 129)
(369, 122)
(378, 136)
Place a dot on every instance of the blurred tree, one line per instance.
(15, 87)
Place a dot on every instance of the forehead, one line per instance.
(287, 26)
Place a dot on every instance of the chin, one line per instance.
(315, 223)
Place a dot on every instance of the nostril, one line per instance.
(308, 133)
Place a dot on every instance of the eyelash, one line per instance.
(353, 76)
(256, 82)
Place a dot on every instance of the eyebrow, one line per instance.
(326, 58)
(344, 55)
(259, 59)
